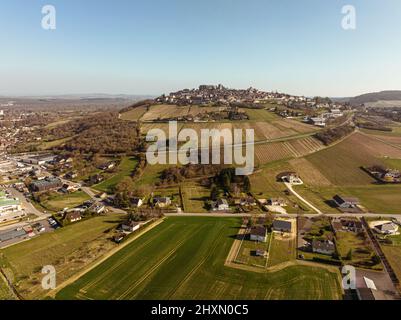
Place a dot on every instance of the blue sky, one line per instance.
(157, 46)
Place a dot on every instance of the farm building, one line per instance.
(281, 225)
(258, 233)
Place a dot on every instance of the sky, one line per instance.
(158, 46)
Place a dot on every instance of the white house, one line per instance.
(221, 205)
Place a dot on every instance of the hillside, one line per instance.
(394, 95)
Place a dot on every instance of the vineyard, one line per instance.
(270, 152)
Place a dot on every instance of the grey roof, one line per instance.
(282, 225)
(259, 231)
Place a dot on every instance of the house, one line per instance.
(97, 208)
(346, 202)
(292, 178)
(387, 228)
(261, 253)
(281, 225)
(71, 175)
(137, 202)
(73, 216)
(162, 202)
(221, 205)
(326, 247)
(280, 202)
(258, 233)
(129, 226)
(347, 225)
(320, 122)
(107, 166)
(247, 201)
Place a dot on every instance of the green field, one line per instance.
(183, 258)
(194, 196)
(125, 169)
(281, 251)
(68, 249)
(59, 202)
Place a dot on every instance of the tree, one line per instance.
(214, 193)
(247, 184)
(349, 255)
(125, 185)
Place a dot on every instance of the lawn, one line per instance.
(68, 249)
(59, 202)
(246, 254)
(125, 169)
(183, 258)
(281, 251)
(359, 246)
(194, 196)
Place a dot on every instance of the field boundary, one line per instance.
(96, 263)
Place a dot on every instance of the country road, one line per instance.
(289, 187)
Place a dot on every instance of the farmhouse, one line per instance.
(73, 216)
(221, 205)
(281, 225)
(346, 202)
(162, 202)
(292, 178)
(347, 225)
(326, 247)
(258, 233)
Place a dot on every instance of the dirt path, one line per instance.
(289, 187)
(94, 264)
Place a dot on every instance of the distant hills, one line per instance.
(393, 95)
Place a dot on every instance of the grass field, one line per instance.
(183, 258)
(59, 202)
(194, 196)
(393, 255)
(125, 169)
(5, 292)
(68, 249)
